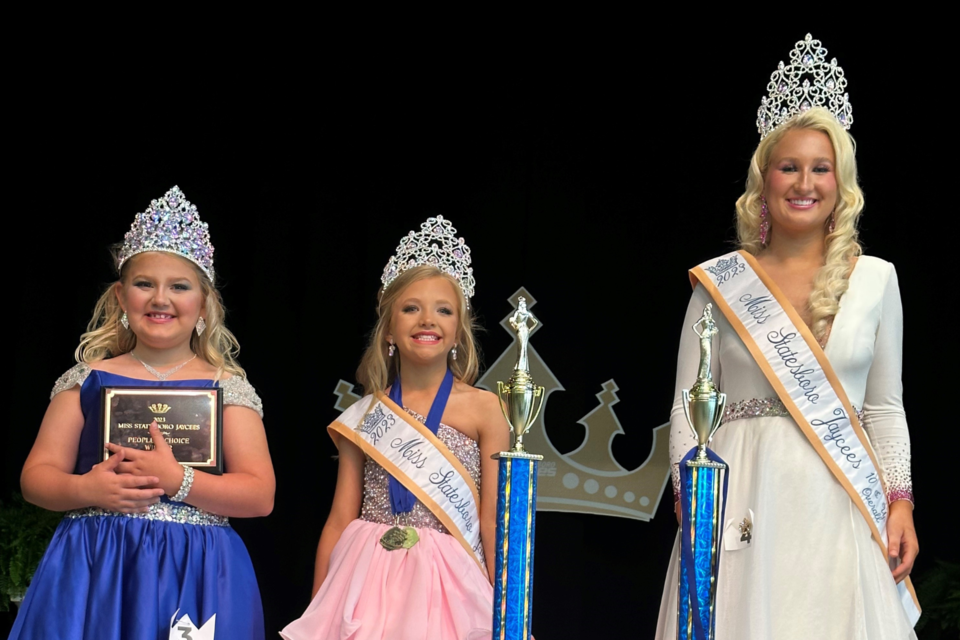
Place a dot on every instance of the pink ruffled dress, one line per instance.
(433, 591)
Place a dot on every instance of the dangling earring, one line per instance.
(201, 325)
(833, 221)
(764, 222)
(391, 349)
(124, 321)
(453, 352)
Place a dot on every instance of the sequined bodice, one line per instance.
(237, 391)
(376, 493)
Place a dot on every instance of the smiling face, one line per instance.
(424, 321)
(800, 184)
(162, 297)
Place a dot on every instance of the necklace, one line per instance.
(166, 374)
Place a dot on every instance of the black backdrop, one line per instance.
(582, 172)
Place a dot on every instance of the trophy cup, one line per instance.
(703, 488)
(520, 401)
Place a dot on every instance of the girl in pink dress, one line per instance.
(390, 563)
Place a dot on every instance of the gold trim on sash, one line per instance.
(699, 276)
(351, 434)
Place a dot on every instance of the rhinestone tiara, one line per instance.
(435, 244)
(171, 224)
(823, 86)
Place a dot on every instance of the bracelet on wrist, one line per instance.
(185, 486)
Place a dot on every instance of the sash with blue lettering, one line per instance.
(798, 370)
(419, 461)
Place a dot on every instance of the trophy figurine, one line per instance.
(702, 497)
(520, 401)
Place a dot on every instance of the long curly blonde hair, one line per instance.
(377, 370)
(106, 338)
(841, 246)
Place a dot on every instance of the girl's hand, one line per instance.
(104, 487)
(159, 463)
(902, 538)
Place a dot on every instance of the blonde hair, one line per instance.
(106, 338)
(377, 370)
(841, 246)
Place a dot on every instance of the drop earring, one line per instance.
(833, 221)
(764, 222)
(201, 325)
(124, 321)
(391, 349)
(453, 352)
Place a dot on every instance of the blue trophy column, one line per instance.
(516, 521)
(703, 493)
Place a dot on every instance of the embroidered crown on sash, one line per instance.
(723, 266)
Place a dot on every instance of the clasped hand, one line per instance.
(132, 479)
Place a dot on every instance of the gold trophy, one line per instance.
(703, 404)
(520, 398)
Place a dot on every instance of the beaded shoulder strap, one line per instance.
(74, 376)
(238, 391)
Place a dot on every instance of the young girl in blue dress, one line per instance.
(145, 549)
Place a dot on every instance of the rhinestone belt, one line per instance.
(762, 408)
(754, 408)
(162, 511)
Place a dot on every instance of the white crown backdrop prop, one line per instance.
(435, 244)
(171, 224)
(808, 81)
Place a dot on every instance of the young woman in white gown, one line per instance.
(810, 568)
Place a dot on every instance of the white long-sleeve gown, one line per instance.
(811, 570)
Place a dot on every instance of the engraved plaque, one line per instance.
(189, 419)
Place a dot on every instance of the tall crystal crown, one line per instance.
(436, 244)
(823, 86)
(171, 224)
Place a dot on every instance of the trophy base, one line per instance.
(706, 464)
(523, 455)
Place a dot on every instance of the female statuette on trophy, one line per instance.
(523, 322)
(706, 329)
(818, 536)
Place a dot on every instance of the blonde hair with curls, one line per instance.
(106, 338)
(841, 246)
(377, 370)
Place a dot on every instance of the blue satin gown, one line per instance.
(109, 576)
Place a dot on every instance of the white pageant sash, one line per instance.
(798, 370)
(413, 455)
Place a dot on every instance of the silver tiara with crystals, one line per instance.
(172, 225)
(822, 85)
(435, 244)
